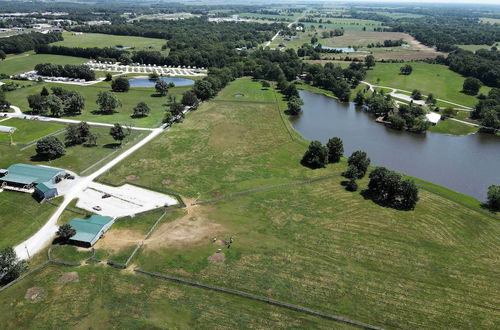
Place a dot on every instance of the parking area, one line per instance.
(121, 201)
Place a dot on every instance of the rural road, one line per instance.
(45, 235)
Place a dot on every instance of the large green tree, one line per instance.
(120, 84)
(471, 86)
(494, 197)
(335, 149)
(10, 266)
(161, 87)
(141, 110)
(65, 232)
(316, 156)
(118, 133)
(49, 148)
(107, 102)
(295, 105)
(360, 161)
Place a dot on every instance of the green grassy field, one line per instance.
(315, 245)
(108, 40)
(103, 296)
(28, 130)
(20, 64)
(429, 78)
(453, 128)
(346, 24)
(20, 217)
(123, 115)
(246, 91)
(473, 48)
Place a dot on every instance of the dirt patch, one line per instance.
(132, 177)
(119, 239)
(225, 136)
(191, 228)
(69, 277)
(166, 181)
(35, 294)
(217, 258)
(221, 242)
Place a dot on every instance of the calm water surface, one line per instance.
(146, 82)
(468, 164)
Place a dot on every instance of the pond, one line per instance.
(468, 164)
(146, 82)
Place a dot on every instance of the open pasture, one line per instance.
(28, 130)
(27, 62)
(108, 40)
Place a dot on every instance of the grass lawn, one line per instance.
(452, 127)
(77, 158)
(20, 217)
(428, 78)
(103, 296)
(28, 130)
(107, 40)
(473, 48)
(22, 64)
(123, 115)
(246, 90)
(346, 23)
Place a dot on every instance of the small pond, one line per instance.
(146, 82)
(468, 164)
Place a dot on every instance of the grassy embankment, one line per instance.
(315, 245)
(123, 115)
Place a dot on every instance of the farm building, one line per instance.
(88, 231)
(434, 118)
(7, 129)
(32, 179)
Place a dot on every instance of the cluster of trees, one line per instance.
(388, 188)
(59, 102)
(193, 42)
(332, 33)
(107, 102)
(28, 41)
(335, 79)
(77, 134)
(406, 70)
(68, 70)
(387, 43)
(487, 110)
(483, 64)
(410, 117)
(318, 155)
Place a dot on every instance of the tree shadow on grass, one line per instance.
(112, 146)
(99, 112)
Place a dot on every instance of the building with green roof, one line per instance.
(88, 231)
(32, 178)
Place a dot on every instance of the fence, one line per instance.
(251, 191)
(31, 271)
(293, 307)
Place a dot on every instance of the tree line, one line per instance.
(28, 41)
(68, 70)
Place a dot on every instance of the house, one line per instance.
(26, 178)
(88, 231)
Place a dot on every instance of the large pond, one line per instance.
(468, 164)
(146, 82)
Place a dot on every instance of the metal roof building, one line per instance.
(7, 129)
(88, 231)
(25, 174)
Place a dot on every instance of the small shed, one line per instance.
(45, 190)
(434, 118)
(88, 231)
(7, 129)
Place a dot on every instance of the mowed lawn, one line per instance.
(316, 245)
(77, 158)
(28, 130)
(22, 64)
(123, 114)
(102, 296)
(428, 78)
(108, 40)
(20, 217)
(246, 90)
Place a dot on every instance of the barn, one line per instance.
(88, 231)
(26, 178)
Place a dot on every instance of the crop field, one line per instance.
(28, 130)
(123, 115)
(428, 78)
(108, 40)
(20, 64)
(347, 24)
(316, 245)
(20, 223)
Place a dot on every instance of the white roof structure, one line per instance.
(433, 117)
(1, 83)
(7, 129)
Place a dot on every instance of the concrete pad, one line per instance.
(125, 200)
